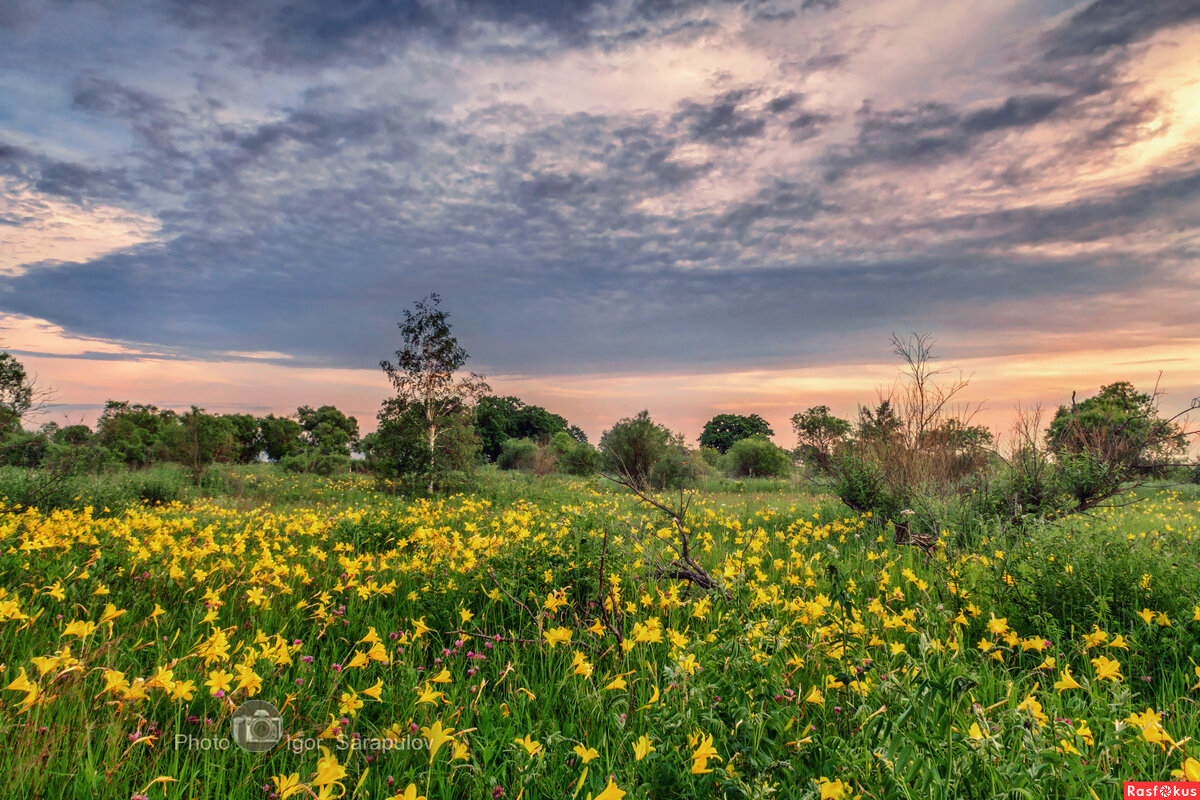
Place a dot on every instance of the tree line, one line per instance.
(913, 457)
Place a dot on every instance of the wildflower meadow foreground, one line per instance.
(521, 647)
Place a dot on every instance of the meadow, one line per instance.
(512, 642)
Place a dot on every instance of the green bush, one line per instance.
(574, 457)
(862, 486)
(711, 456)
(517, 454)
(315, 462)
(633, 446)
(24, 449)
(677, 468)
(757, 457)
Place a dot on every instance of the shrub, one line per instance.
(517, 454)
(677, 469)
(573, 456)
(633, 446)
(757, 457)
(315, 462)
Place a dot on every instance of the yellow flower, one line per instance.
(287, 785)
(586, 754)
(111, 613)
(642, 748)
(460, 751)
(183, 690)
(442, 677)
(375, 691)
(350, 703)
(977, 733)
(437, 736)
(532, 746)
(555, 636)
(704, 751)
(21, 683)
(815, 697)
(80, 629)
(1147, 615)
(1066, 682)
(329, 771)
(611, 792)
(833, 790)
(1188, 771)
(1031, 704)
(617, 683)
(218, 681)
(1107, 669)
(428, 695)
(248, 679)
(1094, 639)
(409, 793)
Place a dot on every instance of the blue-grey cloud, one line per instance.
(317, 166)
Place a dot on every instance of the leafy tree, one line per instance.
(880, 425)
(396, 450)
(632, 447)
(135, 434)
(17, 394)
(577, 433)
(498, 419)
(201, 439)
(426, 375)
(538, 424)
(1092, 451)
(327, 430)
(723, 430)
(758, 457)
(819, 434)
(495, 421)
(280, 436)
(1120, 424)
(246, 436)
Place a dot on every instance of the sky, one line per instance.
(689, 207)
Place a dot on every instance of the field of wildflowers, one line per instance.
(492, 648)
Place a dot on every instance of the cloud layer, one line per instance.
(646, 186)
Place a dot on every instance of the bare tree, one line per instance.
(655, 547)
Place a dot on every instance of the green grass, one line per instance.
(812, 599)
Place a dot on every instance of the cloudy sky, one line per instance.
(687, 206)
